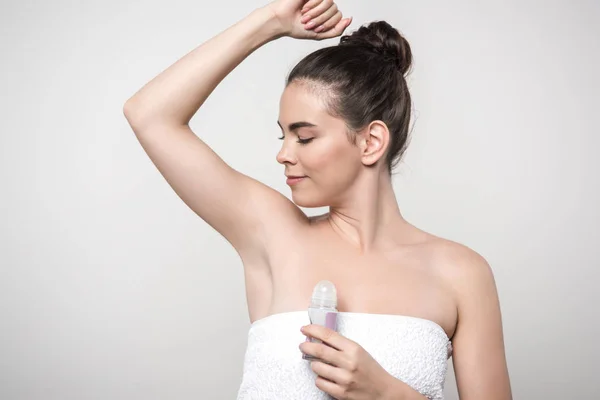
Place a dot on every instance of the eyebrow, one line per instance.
(297, 125)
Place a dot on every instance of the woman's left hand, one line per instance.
(345, 370)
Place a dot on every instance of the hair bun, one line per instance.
(384, 39)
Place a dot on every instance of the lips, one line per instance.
(294, 179)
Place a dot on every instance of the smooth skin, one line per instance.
(380, 262)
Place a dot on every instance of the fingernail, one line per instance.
(319, 29)
(305, 19)
(310, 25)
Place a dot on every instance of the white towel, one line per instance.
(414, 350)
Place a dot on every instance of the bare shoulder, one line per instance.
(478, 344)
(459, 265)
(457, 257)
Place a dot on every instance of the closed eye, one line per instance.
(301, 141)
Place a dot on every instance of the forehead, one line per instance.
(301, 101)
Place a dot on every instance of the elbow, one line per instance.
(128, 108)
(130, 112)
(140, 116)
(134, 115)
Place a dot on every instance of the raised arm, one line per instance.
(247, 213)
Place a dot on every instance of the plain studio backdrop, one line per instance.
(111, 288)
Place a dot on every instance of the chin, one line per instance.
(308, 201)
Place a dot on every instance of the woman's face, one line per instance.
(315, 147)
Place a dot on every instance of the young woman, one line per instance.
(408, 299)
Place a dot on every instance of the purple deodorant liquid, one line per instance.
(322, 310)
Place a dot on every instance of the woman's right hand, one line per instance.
(313, 19)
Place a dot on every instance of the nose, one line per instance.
(286, 154)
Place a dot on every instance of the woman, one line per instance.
(408, 299)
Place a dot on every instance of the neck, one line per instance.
(368, 215)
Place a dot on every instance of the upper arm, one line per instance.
(246, 212)
(478, 345)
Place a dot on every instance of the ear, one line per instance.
(374, 142)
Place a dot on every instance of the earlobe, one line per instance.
(376, 142)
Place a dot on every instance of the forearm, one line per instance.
(175, 95)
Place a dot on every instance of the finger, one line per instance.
(324, 353)
(310, 5)
(331, 388)
(325, 17)
(327, 335)
(330, 23)
(337, 30)
(314, 19)
(322, 7)
(330, 372)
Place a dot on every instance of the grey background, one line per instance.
(111, 288)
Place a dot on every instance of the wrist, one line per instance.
(270, 26)
(396, 390)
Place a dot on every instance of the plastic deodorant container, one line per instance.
(323, 309)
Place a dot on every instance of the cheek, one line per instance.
(332, 161)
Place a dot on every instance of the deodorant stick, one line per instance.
(323, 309)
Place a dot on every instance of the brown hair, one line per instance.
(364, 78)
